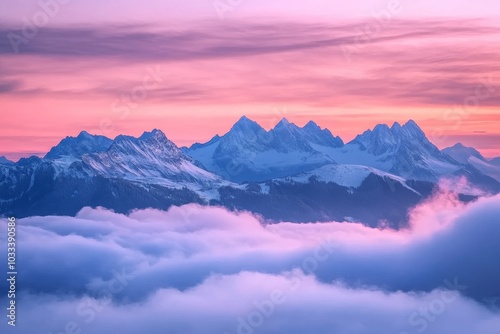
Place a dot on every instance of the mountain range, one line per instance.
(5, 161)
(288, 173)
(471, 156)
(250, 153)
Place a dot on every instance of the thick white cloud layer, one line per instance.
(206, 270)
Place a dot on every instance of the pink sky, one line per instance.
(348, 72)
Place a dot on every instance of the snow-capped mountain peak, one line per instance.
(379, 140)
(387, 163)
(403, 150)
(84, 134)
(76, 147)
(245, 124)
(149, 145)
(395, 126)
(155, 133)
(151, 158)
(311, 126)
(284, 123)
(315, 135)
(381, 128)
(384, 138)
(250, 153)
(469, 156)
(284, 127)
(462, 153)
(5, 161)
(288, 137)
(495, 161)
(412, 129)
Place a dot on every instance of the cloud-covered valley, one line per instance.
(198, 269)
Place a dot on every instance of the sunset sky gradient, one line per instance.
(347, 66)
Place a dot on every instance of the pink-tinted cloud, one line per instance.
(198, 259)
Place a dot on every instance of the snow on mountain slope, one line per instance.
(151, 158)
(5, 161)
(486, 167)
(469, 155)
(351, 176)
(76, 147)
(353, 154)
(315, 135)
(19, 178)
(399, 150)
(495, 161)
(462, 153)
(250, 153)
(379, 175)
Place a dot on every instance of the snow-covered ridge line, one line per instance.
(351, 176)
(249, 153)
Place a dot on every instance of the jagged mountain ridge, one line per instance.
(470, 156)
(403, 150)
(78, 146)
(317, 180)
(5, 161)
(462, 153)
(250, 153)
(152, 158)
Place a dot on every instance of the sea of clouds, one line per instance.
(195, 269)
